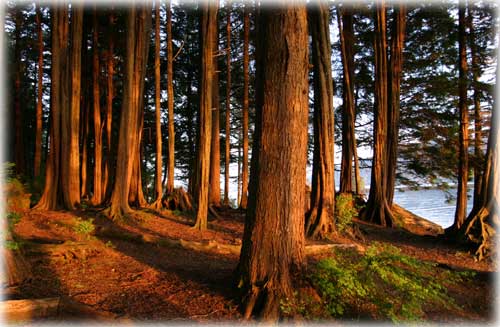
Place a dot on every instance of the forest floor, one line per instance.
(138, 270)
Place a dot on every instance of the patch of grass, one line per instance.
(109, 244)
(396, 285)
(84, 227)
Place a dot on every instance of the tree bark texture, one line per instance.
(108, 168)
(395, 68)
(208, 32)
(18, 114)
(98, 193)
(39, 103)
(214, 192)
(345, 23)
(273, 241)
(319, 222)
(227, 156)
(170, 104)
(246, 61)
(138, 26)
(377, 209)
(463, 135)
(159, 163)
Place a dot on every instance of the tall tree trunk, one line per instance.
(395, 68)
(18, 115)
(463, 135)
(84, 189)
(39, 103)
(273, 241)
(227, 156)
(478, 133)
(138, 26)
(319, 222)
(377, 209)
(170, 95)
(159, 163)
(346, 32)
(70, 115)
(214, 192)
(208, 36)
(246, 60)
(51, 197)
(108, 168)
(98, 191)
(86, 101)
(481, 225)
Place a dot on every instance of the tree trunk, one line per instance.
(108, 167)
(345, 24)
(273, 242)
(482, 223)
(208, 36)
(98, 192)
(246, 60)
(138, 26)
(170, 95)
(395, 67)
(377, 209)
(463, 135)
(214, 192)
(319, 222)
(478, 134)
(39, 103)
(18, 115)
(71, 164)
(227, 156)
(159, 164)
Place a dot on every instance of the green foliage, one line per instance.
(345, 211)
(302, 305)
(84, 227)
(12, 219)
(397, 285)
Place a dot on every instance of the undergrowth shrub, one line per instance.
(345, 211)
(84, 227)
(397, 285)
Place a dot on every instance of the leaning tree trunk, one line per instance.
(214, 192)
(39, 103)
(395, 67)
(98, 191)
(227, 156)
(246, 60)
(319, 222)
(170, 103)
(345, 23)
(273, 242)
(377, 209)
(208, 36)
(138, 25)
(159, 164)
(463, 135)
(482, 223)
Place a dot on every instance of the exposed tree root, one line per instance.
(380, 214)
(178, 199)
(320, 224)
(480, 231)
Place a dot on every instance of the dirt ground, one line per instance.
(128, 269)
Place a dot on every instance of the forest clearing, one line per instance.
(200, 162)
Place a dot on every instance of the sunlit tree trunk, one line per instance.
(395, 68)
(39, 103)
(170, 102)
(246, 60)
(108, 168)
(208, 36)
(346, 32)
(227, 156)
(18, 115)
(214, 192)
(158, 163)
(273, 241)
(377, 209)
(463, 135)
(138, 25)
(319, 222)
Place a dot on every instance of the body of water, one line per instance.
(431, 204)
